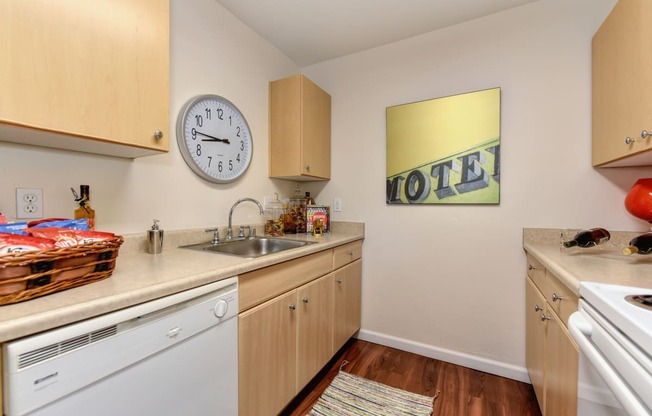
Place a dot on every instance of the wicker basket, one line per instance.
(31, 274)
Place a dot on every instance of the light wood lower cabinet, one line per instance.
(285, 340)
(347, 293)
(551, 355)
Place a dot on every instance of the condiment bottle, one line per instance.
(85, 210)
(309, 199)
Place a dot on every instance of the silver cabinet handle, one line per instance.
(537, 308)
(158, 134)
(339, 281)
(645, 134)
(629, 140)
(544, 317)
(307, 168)
(305, 300)
(555, 297)
(293, 306)
(351, 253)
(530, 267)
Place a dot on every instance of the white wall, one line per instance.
(452, 277)
(211, 52)
(434, 277)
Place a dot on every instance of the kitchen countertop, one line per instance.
(603, 264)
(139, 277)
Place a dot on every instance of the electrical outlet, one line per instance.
(337, 204)
(29, 203)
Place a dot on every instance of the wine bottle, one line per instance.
(588, 238)
(641, 245)
(85, 210)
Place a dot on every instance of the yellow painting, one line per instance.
(445, 150)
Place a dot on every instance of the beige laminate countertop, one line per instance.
(139, 277)
(602, 264)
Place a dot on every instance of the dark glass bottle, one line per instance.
(588, 238)
(85, 210)
(309, 199)
(641, 245)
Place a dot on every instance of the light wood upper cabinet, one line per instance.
(90, 76)
(299, 130)
(622, 81)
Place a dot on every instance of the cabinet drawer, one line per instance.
(560, 298)
(537, 273)
(263, 284)
(346, 254)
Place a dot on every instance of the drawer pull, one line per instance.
(293, 306)
(544, 318)
(305, 300)
(537, 308)
(531, 267)
(339, 281)
(645, 134)
(556, 297)
(351, 253)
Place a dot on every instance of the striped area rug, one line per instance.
(351, 395)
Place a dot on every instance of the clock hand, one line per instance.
(212, 138)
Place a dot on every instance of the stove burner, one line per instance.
(644, 301)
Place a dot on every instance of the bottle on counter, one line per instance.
(84, 210)
(154, 239)
(588, 238)
(639, 245)
(309, 199)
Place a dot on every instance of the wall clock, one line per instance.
(214, 138)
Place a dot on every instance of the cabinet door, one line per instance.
(315, 328)
(347, 308)
(95, 70)
(535, 340)
(316, 130)
(267, 356)
(622, 80)
(561, 370)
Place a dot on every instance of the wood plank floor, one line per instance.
(463, 391)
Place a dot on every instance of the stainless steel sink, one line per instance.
(251, 247)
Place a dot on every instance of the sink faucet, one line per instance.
(229, 231)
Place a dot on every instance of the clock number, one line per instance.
(198, 149)
(208, 113)
(219, 166)
(220, 113)
(241, 145)
(238, 158)
(193, 132)
(238, 133)
(230, 121)
(210, 159)
(199, 120)
(230, 164)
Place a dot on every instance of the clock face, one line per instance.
(214, 138)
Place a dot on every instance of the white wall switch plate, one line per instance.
(29, 203)
(337, 204)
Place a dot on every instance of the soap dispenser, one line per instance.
(154, 239)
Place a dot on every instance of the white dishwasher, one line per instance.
(176, 355)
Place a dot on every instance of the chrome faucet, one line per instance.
(229, 231)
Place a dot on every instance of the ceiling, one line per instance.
(312, 31)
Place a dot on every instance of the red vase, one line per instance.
(639, 199)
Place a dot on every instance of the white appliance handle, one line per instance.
(581, 330)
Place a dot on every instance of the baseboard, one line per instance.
(459, 358)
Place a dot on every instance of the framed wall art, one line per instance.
(445, 150)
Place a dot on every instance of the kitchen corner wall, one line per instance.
(448, 281)
(211, 52)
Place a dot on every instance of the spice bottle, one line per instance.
(309, 199)
(84, 210)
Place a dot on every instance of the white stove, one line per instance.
(613, 329)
